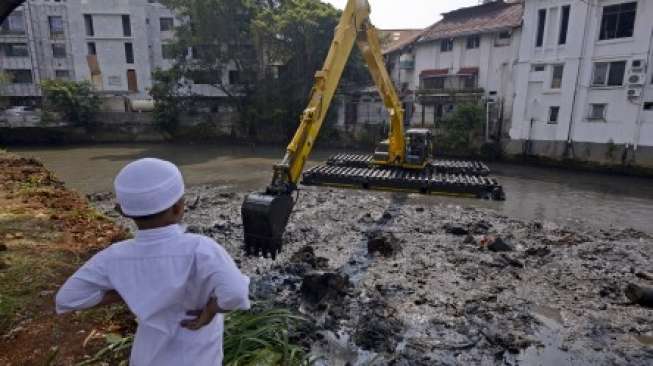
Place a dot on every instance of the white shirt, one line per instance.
(161, 274)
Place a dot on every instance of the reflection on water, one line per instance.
(532, 193)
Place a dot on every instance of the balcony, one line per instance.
(441, 86)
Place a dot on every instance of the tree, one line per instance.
(170, 98)
(262, 54)
(76, 101)
(462, 129)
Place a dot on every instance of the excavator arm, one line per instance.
(265, 215)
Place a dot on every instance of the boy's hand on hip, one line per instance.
(202, 317)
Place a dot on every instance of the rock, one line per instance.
(193, 203)
(19, 235)
(538, 252)
(227, 194)
(480, 227)
(304, 255)
(319, 286)
(46, 293)
(9, 237)
(642, 275)
(511, 261)
(194, 229)
(419, 209)
(639, 295)
(387, 215)
(469, 239)
(499, 245)
(220, 225)
(3, 248)
(384, 243)
(377, 329)
(455, 229)
(3, 265)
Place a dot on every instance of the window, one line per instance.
(503, 39)
(91, 48)
(553, 114)
(20, 76)
(16, 50)
(205, 76)
(126, 26)
(56, 26)
(564, 25)
(618, 21)
(469, 81)
(88, 23)
(433, 83)
(167, 51)
(597, 112)
(648, 106)
(538, 68)
(129, 53)
(541, 21)
(234, 77)
(473, 42)
(15, 23)
(166, 24)
(58, 50)
(446, 45)
(62, 74)
(556, 76)
(609, 73)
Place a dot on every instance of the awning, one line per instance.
(432, 73)
(468, 71)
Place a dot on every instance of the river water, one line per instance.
(533, 193)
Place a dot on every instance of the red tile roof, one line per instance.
(489, 17)
(391, 38)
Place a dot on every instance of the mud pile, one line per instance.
(407, 285)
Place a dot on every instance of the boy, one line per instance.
(163, 274)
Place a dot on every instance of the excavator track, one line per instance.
(438, 166)
(397, 179)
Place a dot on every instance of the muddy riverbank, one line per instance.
(437, 288)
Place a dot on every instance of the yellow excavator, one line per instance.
(402, 162)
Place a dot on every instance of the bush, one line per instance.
(75, 101)
(463, 129)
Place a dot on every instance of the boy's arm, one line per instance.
(229, 286)
(88, 287)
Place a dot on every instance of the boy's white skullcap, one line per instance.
(148, 186)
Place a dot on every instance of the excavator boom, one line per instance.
(265, 214)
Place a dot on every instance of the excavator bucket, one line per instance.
(264, 220)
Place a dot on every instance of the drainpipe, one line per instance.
(569, 148)
(638, 121)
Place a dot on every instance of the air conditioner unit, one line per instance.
(638, 66)
(634, 92)
(636, 78)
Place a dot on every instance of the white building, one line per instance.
(116, 44)
(467, 57)
(584, 86)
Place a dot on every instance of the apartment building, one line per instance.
(583, 81)
(115, 44)
(467, 57)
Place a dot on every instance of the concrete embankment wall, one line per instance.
(611, 157)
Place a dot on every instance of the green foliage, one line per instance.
(270, 49)
(74, 100)
(170, 98)
(462, 129)
(250, 339)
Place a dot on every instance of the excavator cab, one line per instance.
(419, 147)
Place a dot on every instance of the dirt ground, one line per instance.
(384, 281)
(46, 231)
(437, 288)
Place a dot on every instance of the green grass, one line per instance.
(251, 338)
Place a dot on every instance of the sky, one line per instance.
(393, 14)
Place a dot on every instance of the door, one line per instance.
(132, 83)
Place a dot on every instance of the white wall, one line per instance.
(583, 48)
